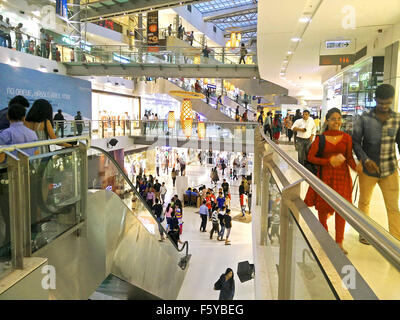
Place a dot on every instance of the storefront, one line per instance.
(113, 109)
(160, 104)
(352, 91)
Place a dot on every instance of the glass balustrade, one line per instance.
(5, 226)
(153, 55)
(55, 194)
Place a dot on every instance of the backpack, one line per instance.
(321, 146)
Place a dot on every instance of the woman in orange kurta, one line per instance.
(334, 171)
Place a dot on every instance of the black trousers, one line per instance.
(215, 228)
(203, 222)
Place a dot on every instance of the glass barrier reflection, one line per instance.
(55, 196)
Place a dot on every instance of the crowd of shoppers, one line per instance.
(373, 141)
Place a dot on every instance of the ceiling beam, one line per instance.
(227, 11)
(131, 7)
(233, 13)
(243, 32)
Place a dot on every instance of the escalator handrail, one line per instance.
(116, 164)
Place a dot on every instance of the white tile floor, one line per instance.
(210, 258)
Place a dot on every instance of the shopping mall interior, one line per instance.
(195, 150)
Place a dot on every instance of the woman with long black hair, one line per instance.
(226, 285)
(40, 120)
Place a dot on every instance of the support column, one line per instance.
(76, 12)
(140, 33)
(265, 178)
(392, 70)
(176, 24)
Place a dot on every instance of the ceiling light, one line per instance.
(295, 39)
(304, 19)
(289, 52)
(43, 69)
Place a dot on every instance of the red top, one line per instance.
(338, 178)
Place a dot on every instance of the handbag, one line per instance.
(218, 285)
(321, 146)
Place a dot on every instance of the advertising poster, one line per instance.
(65, 93)
(61, 8)
(152, 31)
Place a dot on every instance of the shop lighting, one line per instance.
(43, 69)
(295, 39)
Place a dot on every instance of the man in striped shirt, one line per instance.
(375, 134)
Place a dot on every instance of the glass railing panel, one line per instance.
(310, 282)
(69, 128)
(5, 230)
(55, 195)
(104, 175)
(272, 230)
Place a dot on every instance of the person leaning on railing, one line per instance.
(333, 169)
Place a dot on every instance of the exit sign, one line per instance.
(337, 60)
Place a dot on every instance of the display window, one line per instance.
(113, 112)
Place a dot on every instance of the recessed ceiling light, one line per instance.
(289, 52)
(295, 39)
(14, 62)
(304, 19)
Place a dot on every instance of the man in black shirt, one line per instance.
(297, 116)
(59, 125)
(228, 226)
(157, 187)
(241, 188)
(225, 187)
(158, 209)
(178, 202)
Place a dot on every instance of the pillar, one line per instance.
(140, 34)
(391, 73)
(176, 23)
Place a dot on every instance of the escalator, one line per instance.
(108, 244)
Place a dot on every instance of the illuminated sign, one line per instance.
(336, 60)
(337, 44)
(120, 58)
(85, 47)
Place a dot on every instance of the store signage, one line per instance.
(152, 31)
(336, 60)
(120, 58)
(354, 86)
(62, 8)
(211, 86)
(337, 44)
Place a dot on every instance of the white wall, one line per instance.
(30, 61)
(195, 18)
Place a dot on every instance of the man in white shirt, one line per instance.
(306, 130)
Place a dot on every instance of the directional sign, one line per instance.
(337, 44)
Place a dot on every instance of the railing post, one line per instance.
(26, 202)
(102, 129)
(83, 147)
(265, 179)
(15, 198)
(286, 255)
(113, 124)
(258, 152)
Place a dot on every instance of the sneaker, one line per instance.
(363, 240)
(227, 243)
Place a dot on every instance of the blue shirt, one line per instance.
(18, 133)
(203, 209)
(221, 202)
(4, 123)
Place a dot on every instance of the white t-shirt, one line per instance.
(163, 190)
(309, 125)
